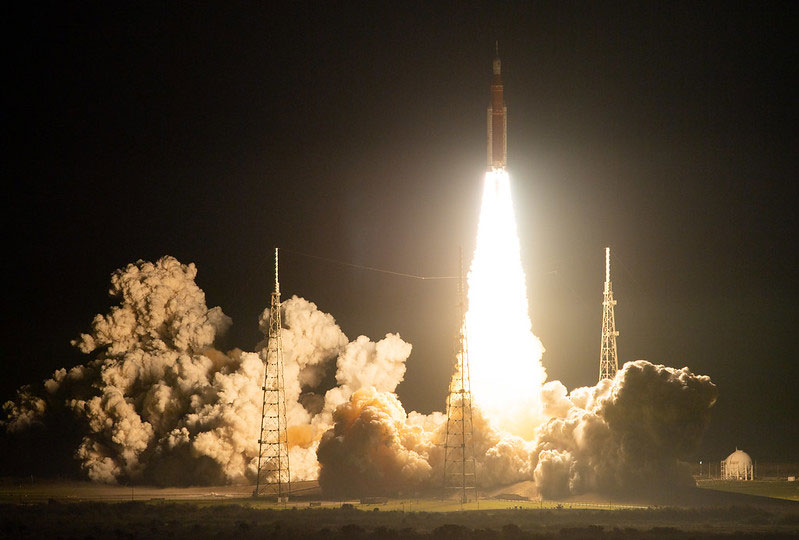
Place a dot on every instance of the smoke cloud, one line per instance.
(372, 450)
(623, 435)
(375, 448)
(156, 402)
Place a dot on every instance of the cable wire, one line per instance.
(370, 268)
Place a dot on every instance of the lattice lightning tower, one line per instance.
(459, 466)
(274, 477)
(608, 358)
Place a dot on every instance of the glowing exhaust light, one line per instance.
(504, 355)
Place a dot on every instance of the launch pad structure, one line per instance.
(274, 476)
(608, 357)
(459, 463)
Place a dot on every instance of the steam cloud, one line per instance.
(157, 403)
(622, 435)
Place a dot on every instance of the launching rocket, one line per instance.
(497, 121)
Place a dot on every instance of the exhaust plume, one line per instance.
(504, 354)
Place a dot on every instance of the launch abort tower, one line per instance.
(497, 120)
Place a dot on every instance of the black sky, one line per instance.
(214, 132)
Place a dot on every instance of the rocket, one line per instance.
(497, 120)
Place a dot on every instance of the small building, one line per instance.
(738, 466)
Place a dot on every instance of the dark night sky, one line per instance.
(214, 132)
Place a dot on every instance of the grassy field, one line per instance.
(199, 521)
(26, 492)
(84, 510)
(777, 489)
(422, 505)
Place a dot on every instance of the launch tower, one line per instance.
(459, 465)
(274, 478)
(608, 358)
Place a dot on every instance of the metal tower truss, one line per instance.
(459, 464)
(274, 478)
(608, 357)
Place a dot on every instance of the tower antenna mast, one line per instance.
(274, 477)
(459, 465)
(608, 357)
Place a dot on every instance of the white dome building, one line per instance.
(738, 466)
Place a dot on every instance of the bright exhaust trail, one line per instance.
(504, 355)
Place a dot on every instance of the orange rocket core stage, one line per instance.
(497, 122)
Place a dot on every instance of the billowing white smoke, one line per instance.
(360, 364)
(375, 448)
(621, 435)
(157, 400)
(158, 403)
(628, 434)
(372, 449)
(311, 342)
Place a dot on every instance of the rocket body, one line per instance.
(497, 122)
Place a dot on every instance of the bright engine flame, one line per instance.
(504, 355)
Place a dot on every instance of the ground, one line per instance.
(778, 489)
(83, 510)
